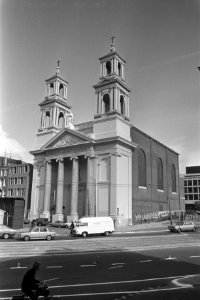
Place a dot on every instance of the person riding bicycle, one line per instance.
(31, 286)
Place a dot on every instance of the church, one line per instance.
(103, 167)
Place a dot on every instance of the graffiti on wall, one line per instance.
(152, 215)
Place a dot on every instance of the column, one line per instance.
(98, 103)
(34, 194)
(47, 190)
(74, 193)
(116, 98)
(90, 188)
(60, 191)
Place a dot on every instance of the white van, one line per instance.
(94, 225)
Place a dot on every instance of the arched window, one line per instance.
(122, 105)
(173, 176)
(51, 88)
(160, 174)
(61, 90)
(106, 101)
(47, 119)
(119, 69)
(108, 68)
(61, 120)
(141, 168)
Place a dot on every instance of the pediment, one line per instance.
(66, 138)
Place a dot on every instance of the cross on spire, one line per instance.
(112, 47)
(58, 67)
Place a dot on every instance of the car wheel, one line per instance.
(107, 233)
(26, 238)
(84, 234)
(6, 236)
(179, 230)
(49, 237)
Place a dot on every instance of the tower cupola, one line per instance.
(111, 89)
(55, 110)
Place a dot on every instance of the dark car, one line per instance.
(42, 222)
(59, 224)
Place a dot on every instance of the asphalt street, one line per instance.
(120, 267)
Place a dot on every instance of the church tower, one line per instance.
(112, 96)
(55, 110)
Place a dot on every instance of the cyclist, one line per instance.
(31, 286)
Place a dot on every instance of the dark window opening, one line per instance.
(47, 119)
(160, 174)
(173, 176)
(61, 120)
(51, 88)
(61, 90)
(141, 168)
(108, 67)
(106, 101)
(122, 105)
(119, 69)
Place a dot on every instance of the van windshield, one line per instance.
(78, 224)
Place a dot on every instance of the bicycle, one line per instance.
(42, 292)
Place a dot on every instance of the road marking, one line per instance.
(50, 279)
(104, 283)
(148, 260)
(113, 264)
(54, 267)
(18, 266)
(115, 267)
(194, 256)
(86, 266)
(183, 285)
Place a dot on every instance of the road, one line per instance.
(131, 266)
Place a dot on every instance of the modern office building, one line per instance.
(192, 186)
(103, 167)
(16, 180)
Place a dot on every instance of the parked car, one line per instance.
(36, 233)
(59, 224)
(6, 232)
(42, 222)
(182, 226)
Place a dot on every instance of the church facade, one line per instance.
(104, 167)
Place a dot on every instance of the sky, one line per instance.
(159, 39)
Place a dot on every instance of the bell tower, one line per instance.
(55, 109)
(111, 90)
(112, 94)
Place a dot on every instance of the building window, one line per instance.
(173, 176)
(51, 88)
(106, 102)
(61, 120)
(141, 168)
(108, 68)
(119, 69)
(61, 90)
(47, 119)
(122, 105)
(160, 174)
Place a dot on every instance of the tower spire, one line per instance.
(58, 67)
(112, 46)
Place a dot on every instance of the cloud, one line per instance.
(12, 148)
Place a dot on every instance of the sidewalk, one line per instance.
(153, 226)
